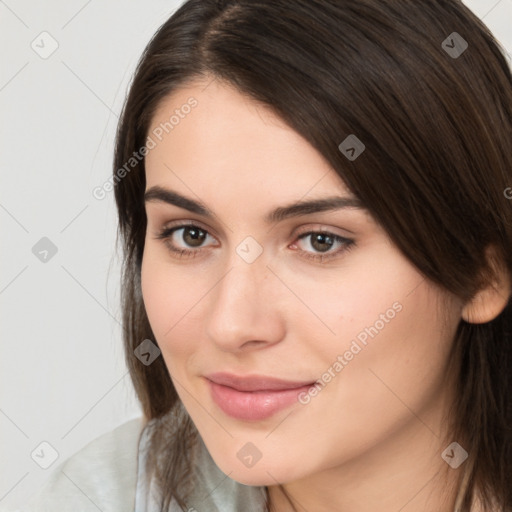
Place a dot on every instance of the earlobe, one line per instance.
(491, 300)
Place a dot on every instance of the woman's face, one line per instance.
(255, 300)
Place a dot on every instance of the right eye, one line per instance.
(185, 240)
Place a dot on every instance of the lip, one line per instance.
(253, 397)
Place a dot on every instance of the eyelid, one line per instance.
(176, 224)
(322, 228)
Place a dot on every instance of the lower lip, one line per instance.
(253, 405)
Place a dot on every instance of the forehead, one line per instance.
(212, 139)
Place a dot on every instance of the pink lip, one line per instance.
(254, 397)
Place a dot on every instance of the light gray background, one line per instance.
(62, 374)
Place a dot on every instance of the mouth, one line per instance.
(254, 397)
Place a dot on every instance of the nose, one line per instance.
(244, 312)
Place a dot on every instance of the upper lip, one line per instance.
(255, 382)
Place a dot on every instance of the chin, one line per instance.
(262, 473)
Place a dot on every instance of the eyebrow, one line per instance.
(163, 195)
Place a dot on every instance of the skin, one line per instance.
(372, 438)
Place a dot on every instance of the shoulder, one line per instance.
(101, 476)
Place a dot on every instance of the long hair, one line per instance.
(426, 87)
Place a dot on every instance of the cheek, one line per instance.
(173, 298)
(166, 297)
(157, 295)
(384, 332)
(393, 361)
(364, 296)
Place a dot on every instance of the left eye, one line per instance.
(320, 243)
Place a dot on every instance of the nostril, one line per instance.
(253, 343)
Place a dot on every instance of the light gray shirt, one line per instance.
(106, 475)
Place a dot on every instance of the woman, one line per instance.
(312, 204)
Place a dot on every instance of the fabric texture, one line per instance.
(102, 476)
(107, 476)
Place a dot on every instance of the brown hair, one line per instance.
(437, 129)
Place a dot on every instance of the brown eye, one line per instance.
(321, 242)
(186, 240)
(322, 245)
(194, 236)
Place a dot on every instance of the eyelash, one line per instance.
(167, 233)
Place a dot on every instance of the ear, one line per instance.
(491, 300)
